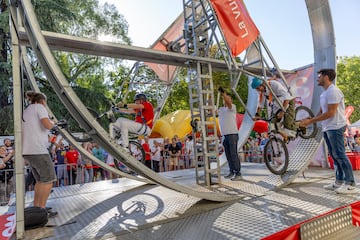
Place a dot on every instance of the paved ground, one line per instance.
(127, 209)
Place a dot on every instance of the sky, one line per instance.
(283, 24)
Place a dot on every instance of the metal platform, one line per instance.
(220, 193)
(127, 209)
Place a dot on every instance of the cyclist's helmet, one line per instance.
(256, 83)
(140, 96)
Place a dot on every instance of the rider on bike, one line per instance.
(143, 123)
(288, 103)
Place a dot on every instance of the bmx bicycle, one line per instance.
(275, 153)
(135, 148)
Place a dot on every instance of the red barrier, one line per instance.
(354, 158)
(355, 207)
(290, 233)
(7, 226)
(293, 232)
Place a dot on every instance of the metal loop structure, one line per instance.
(26, 31)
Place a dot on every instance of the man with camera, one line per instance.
(229, 131)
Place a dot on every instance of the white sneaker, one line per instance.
(332, 186)
(346, 189)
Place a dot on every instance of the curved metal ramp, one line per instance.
(229, 192)
(299, 161)
(67, 136)
(89, 123)
(300, 158)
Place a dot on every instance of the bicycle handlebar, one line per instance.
(110, 113)
(56, 128)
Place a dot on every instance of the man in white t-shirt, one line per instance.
(35, 128)
(189, 152)
(155, 155)
(229, 130)
(333, 122)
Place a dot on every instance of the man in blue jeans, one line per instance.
(229, 130)
(333, 121)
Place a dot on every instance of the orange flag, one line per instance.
(239, 29)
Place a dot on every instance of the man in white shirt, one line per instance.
(333, 122)
(189, 152)
(229, 130)
(35, 128)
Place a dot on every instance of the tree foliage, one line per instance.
(96, 80)
(348, 75)
(223, 79)
(88, 75)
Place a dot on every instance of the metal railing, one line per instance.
(69, 174)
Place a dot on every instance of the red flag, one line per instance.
(237, 25)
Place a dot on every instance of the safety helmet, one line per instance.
(256, 83)
(140, 96)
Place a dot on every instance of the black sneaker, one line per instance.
(237, 177)
(230, 175)
(52, 214)
(302, 130)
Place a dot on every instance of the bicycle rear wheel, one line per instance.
(303, 112)
(276, 156)
(137, 151)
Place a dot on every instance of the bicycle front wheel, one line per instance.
(276, 156)
(137, 151)
(303, 112)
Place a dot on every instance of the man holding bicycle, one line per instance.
(144, 115)
(333, 122)
(288, 103)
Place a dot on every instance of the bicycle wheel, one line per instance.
(303, 112)
(137, 151)
(276, 156)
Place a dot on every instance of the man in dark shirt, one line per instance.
(62, 175)
(174, 152)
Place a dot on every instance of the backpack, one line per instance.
(35, 217)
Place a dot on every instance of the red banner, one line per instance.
(236, 23)
(7, 226)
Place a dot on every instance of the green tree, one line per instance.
(223, 79)
(348, 75)
(90, 77)
(178, 98)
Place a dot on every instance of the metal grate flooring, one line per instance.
(127, 209)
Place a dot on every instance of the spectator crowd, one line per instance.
(162, 155)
